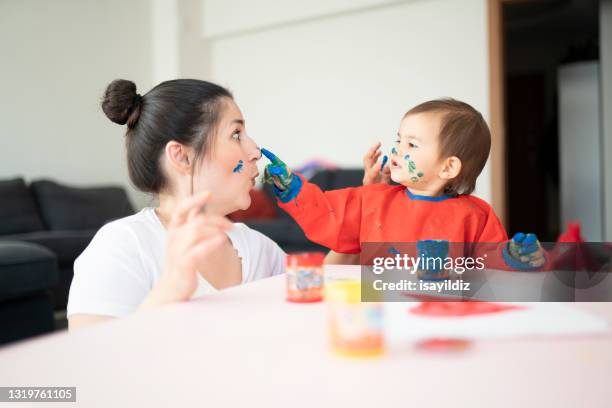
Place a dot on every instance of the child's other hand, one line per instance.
(375, 172)
(524, 251)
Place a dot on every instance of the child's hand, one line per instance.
(373, 171)
(524, 252)
(286, 184)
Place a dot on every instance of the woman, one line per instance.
(186, 143)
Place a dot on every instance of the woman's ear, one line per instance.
(179, 156)
(450, 168)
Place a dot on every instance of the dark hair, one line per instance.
(183, 110)
(464, 134)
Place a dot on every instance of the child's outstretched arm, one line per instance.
(331, 218)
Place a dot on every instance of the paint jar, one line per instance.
(356, 327)
(433, 254)
(305, 277)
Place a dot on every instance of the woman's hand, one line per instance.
(373, 171)
(192, 236)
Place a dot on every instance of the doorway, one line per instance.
(537, 38)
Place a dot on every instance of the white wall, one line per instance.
(314, 79)
(580, 147)
(329, 82)
(57, 58)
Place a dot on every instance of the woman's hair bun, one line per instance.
(121, 103)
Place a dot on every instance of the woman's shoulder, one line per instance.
(124, 234)
(144, 220)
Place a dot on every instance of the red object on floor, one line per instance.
(460, 309)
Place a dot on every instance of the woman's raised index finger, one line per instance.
(195, 202)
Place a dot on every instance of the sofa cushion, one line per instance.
(66, 245)
(25, 268)
(18, 212)
(335, 179)
(69, 208)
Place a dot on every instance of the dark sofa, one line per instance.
(60, 218)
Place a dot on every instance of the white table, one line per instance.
(247, 346)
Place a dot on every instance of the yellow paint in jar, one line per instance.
(356, 327)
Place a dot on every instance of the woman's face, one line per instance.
(229, 170)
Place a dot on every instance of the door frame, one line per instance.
(497, 107)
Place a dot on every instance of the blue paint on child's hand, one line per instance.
(269, 155)
(276, 170)
(384, 162)
(524, 252)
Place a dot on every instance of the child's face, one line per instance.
(231, 169)
(415, 160)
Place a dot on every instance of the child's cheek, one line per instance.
(414, 174)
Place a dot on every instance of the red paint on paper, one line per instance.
(461, 309)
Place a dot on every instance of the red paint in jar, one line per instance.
(305, 277)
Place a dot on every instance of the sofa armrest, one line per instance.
(25, 268)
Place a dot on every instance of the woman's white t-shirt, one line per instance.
(126, 257)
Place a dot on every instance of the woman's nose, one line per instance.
(253, 151)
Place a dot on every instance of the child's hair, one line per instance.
(183, 110)
(464, 134)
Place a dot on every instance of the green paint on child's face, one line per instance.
(393, 150)
(411, 164)
(414, 179)
(420, 174)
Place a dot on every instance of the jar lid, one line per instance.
(305, 259)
